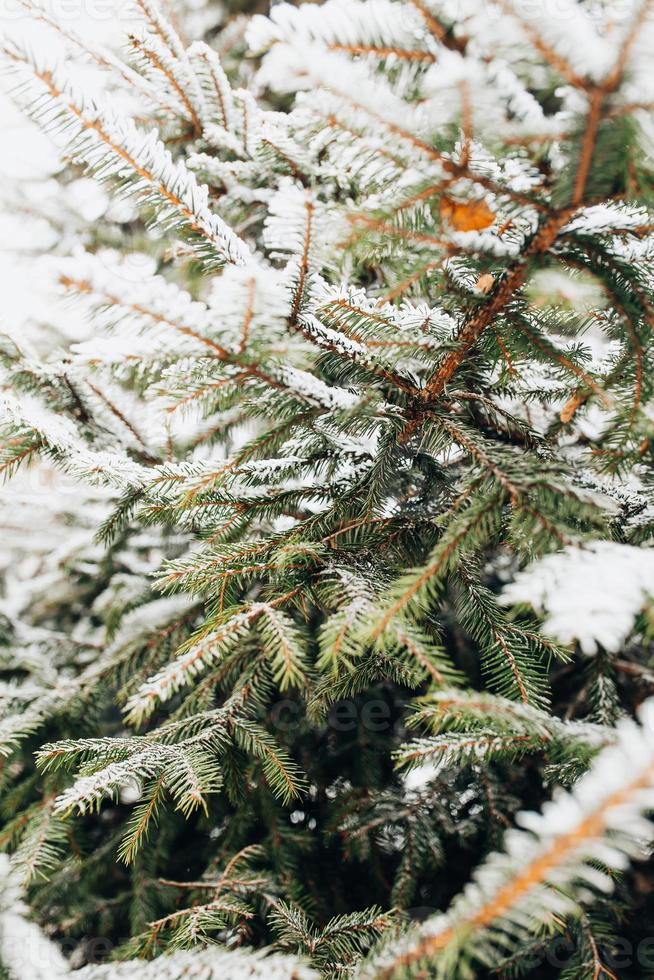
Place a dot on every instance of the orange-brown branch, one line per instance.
(403, 54)
(475, 326)
(588, 145)
(435, 27)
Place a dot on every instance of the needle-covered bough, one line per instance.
(327, 586)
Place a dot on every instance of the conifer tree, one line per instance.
(326, 649)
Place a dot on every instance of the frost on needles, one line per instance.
(326, 588)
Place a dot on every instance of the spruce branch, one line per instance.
(546, 862)
(343, 556)
(114, 148)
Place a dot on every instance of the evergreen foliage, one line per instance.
(336, 614)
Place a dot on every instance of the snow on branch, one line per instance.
(591, 595)
(192, 661)
(207, 964)
(246, 305)
(111, 146)
(301, 226)
(26, 953)
(96, 53)
(557, 37)
(287, 68)
(556, 859)
(218, 98)
(378, 27)
(476, 728)
(164, 71)
(160, 26)
(165, 316)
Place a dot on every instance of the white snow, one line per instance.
(591, 595)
